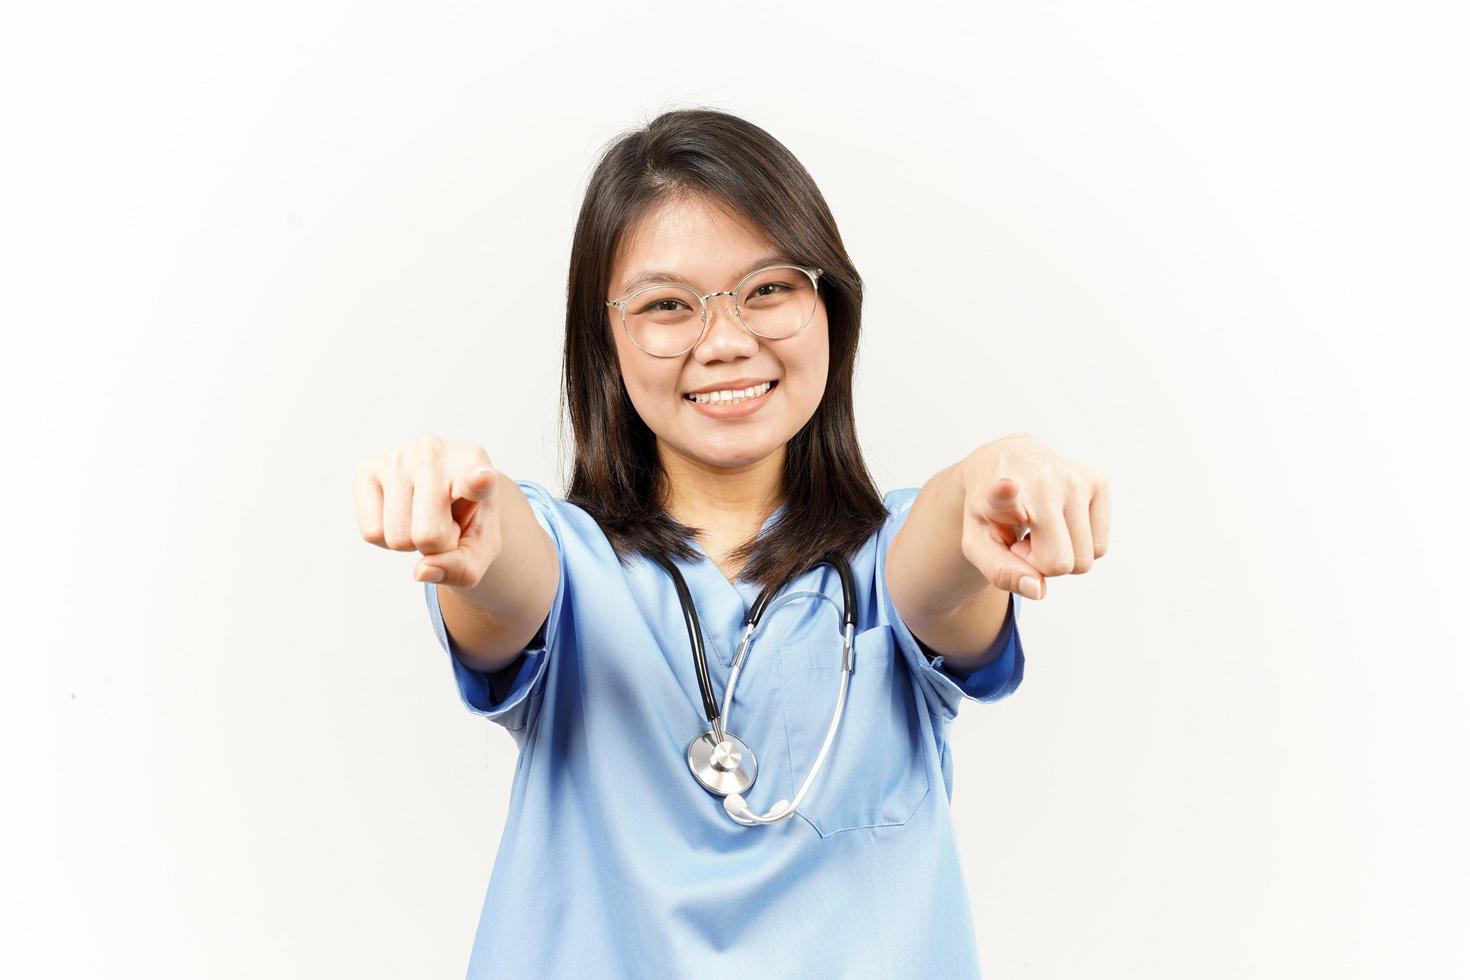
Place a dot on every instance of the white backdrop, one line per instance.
(1217, 251)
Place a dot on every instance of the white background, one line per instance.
(1216, 250)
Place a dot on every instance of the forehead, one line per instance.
(698, 240)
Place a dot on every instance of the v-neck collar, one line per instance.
(721, 604)
(740, 584)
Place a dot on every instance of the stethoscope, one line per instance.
(720, 761)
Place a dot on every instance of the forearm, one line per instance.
(945, 601)
(926, 564)
(493, 621)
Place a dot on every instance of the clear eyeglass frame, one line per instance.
(621, 305)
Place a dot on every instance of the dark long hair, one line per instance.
(617, 478)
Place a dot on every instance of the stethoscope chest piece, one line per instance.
(723, 768)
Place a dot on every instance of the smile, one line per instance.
(730, 397)
(731, 404)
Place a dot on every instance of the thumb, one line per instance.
(1001, 567)
(464, 565)
(472, 489)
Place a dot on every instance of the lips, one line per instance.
(730, 384)
(721, 409)
(717, 396)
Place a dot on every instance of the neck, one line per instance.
(720, 499)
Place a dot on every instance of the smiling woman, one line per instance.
(706, 260)
(720, 512)
(778, 304)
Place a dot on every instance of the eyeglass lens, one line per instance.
(774, 303)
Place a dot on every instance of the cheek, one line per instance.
(815, 351)
(651, 384)
(820, 355)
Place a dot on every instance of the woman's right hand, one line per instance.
(437, 498)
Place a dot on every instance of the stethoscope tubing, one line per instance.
(713, 712)
(718, 714)
(696, 640)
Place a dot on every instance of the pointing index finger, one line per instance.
(1003, 501)
(474, 483)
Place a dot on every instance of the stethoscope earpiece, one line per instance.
(740, 811)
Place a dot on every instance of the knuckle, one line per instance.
(1056, 566)
(432, 540)
(426, 446)
(397, 540)
(373, 535)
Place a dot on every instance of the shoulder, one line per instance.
(569, 525)
(897, 502)
(547, 503)
(538, 495)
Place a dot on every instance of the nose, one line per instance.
(710, 300)
(728, 306)
(725, 313)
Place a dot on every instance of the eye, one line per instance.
(665, 305)
(770, 289)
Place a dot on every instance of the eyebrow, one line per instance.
(658, 275)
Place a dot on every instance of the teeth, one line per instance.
(729, 397)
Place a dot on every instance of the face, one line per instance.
(709, 248)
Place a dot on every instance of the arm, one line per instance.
(492, 621)
(946, 602)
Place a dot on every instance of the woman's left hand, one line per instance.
(1015, 485)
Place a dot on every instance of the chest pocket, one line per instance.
(875, 774)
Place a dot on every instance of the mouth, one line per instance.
(731, 405)
(735, 397)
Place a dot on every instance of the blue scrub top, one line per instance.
(615, 862)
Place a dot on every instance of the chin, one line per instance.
(744, 456)
(738, 450)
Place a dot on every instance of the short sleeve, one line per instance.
(943, 691)
(510, 696)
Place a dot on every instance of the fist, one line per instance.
(1031, 513)
(437, 498)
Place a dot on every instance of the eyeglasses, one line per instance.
(668, 320)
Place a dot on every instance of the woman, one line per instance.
(639, 843)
